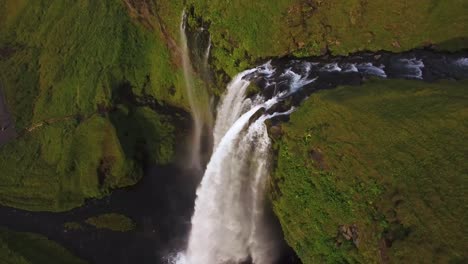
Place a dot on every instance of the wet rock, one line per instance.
(257, 114)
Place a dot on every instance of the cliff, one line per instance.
(375, 174)
(363, 174)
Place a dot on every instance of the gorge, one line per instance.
(231, 206)
(193, 133)
(228, 225)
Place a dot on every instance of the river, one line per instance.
(164, 204)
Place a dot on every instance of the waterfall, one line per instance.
(232, 105)
(195, 154)
(229, 224)
(206, 56)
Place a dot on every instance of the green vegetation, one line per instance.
(64, 65)
(244, 31)
(376, 173)
(364, 174)
(114, 222)
(28, 248)
(75, 54)
(57, 166)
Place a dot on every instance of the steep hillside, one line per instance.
(76, 76)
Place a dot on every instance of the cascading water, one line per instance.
(232, 105)
(197, 116)
(206, 58)
(230, 224)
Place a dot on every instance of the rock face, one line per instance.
(70, 88)
(7, 127)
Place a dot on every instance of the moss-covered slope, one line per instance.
(71, 71)
(56, 166)
(71, 56)
(28, 248)
(376, 174)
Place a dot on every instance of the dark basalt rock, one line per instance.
(7, 127)
(294, 79)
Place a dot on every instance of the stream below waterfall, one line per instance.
(227, 219)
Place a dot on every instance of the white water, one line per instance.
(414, 68)
(349, 67)
(232, 105)
(229, 224)
(206, 56)
(298, 81)
(370, 69)
(462, 62)
(331, 67)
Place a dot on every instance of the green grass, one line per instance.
(389, 157)
(245, 31)
(67, 61)
(28, 248)
(57, 166)
(113, 222)
(75, 54)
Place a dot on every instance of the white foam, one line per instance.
(231, 106)
(462, 62)
(297, 81)
(266, 69)
(349, 67)
(331, 67)
(414, 68)
(370, 69)
(229, 225)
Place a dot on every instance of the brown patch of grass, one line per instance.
(319, 160)
(146, 13)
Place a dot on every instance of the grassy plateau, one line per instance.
(376, 174)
